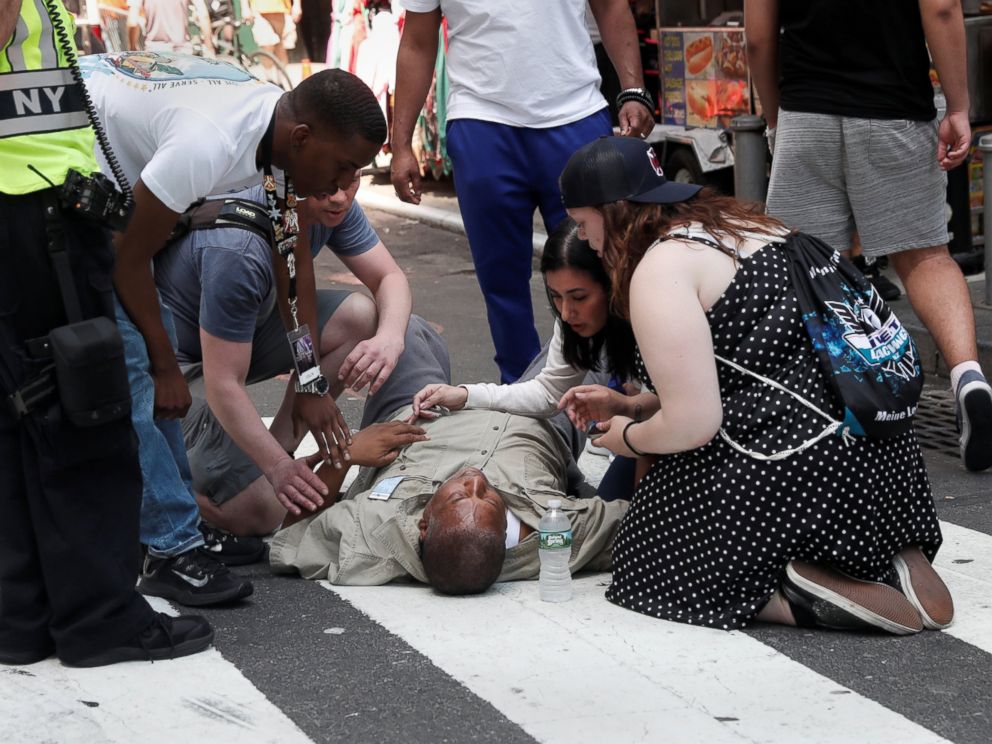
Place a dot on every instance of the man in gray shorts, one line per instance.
(219, 284)
(847, 95)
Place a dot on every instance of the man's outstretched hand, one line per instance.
(378, 445)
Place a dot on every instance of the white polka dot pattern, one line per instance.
(709, 531)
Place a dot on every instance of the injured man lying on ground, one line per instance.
(454, 503)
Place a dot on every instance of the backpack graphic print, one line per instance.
(863, 348)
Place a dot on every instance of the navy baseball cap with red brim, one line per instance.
(612, 169)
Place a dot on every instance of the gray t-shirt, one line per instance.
(222, 279)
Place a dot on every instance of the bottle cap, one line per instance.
(554, 503)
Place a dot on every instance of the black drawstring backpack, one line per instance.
(865, 351)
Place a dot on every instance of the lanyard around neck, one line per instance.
(285, 222)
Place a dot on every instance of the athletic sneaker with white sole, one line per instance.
(193, 578)
(823, 597)
(924, 588)
(230, 549)
(974, 409)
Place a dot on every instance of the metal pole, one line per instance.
(985, 146)
(750, 158)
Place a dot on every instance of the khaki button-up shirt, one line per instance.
(363, 541)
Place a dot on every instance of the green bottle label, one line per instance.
(556, 540)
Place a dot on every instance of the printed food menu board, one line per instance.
(704, 76)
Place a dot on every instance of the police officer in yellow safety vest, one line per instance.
(70, 484)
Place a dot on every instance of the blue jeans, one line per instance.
(170, 516)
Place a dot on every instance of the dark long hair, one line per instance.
(631, 229)
(564, 249)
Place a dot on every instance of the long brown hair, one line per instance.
(631, 228)
(562, 250)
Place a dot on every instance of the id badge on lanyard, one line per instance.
(304, 357)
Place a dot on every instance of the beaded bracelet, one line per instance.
(639, 95)
(627, 441)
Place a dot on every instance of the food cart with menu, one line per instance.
(704, 83)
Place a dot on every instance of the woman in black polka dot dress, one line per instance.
(754, 508)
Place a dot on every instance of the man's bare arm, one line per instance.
(225, 369)
(619, 32)
(414, 68)
(372, 361)
(761, 28)
(376, 446)
(318, 414)
(203, 23)
(943, 25)
(146, 233)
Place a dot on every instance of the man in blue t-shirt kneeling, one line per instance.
(221, 288)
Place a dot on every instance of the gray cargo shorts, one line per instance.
(832, 175)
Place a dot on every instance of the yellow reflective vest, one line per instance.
(44, 130)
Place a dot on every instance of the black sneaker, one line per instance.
(974, 413)
(166, 638)
(823, 597)
(25, 656)
(230, 548)
(193, 578)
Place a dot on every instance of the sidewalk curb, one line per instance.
(440, 218)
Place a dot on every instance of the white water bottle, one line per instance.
(555, 583)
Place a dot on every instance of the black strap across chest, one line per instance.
(219, 213)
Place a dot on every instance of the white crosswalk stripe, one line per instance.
(965, 564)
(201, 698)
(588, 671)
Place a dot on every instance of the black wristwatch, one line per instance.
(318, 386)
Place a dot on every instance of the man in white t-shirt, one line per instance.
(524, 95)
(184, 128)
